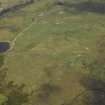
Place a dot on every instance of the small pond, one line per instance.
(4, 46)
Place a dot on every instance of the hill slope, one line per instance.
(56, 43)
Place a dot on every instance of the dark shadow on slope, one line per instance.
(94, 93)
(44, 94)
(97, 91)
(86, 6)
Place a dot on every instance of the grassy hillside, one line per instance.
(56, 43)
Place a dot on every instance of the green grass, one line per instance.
(57, 43)
(54, 38)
